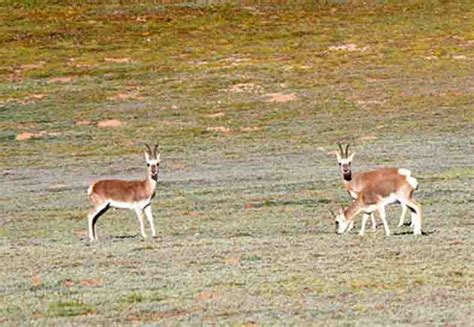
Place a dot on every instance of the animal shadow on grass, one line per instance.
(424, 233)
(118, 238)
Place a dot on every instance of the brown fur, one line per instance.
(121, 191)
(374, 185)
(135, 195)
(382, 179)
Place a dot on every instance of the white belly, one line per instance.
(390, 199)
(140, 205)
(382, 202)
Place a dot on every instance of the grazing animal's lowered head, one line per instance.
(342, 224)
(345, 162)
(153, 161)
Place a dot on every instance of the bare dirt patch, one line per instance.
(118, 60)
(215, 115)
(83, 122)
(127, 95)
(250, 129)
(207, 296)
(246, 88)
(36, 65)
(61, 80)
(350, 47)
(219, 129)
(30, 135)
(280, 97)
(110, 123)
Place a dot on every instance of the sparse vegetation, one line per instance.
(247, 102)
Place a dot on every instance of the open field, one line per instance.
(247, 103)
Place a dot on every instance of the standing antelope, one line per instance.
(136, 195)
(353, 182)
(374, 190)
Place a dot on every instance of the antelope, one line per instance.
(353, 183)
(136, 195)
(373, 191)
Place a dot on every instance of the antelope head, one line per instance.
(152, 161)
(342, 224)
(345, 161)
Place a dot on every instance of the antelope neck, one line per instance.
(152, 179)
(347, 177)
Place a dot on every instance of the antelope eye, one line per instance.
(339, 164)
(148, 165)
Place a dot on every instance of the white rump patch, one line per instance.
(404, 172)
(413, 182)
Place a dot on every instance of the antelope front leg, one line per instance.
(364, 221)
(381, 210)
(372, 219)
(350, 226)
(402, 217)
(149, 216)
(140, 220)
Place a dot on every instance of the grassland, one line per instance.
(247, 103)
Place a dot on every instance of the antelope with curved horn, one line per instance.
(352, 181)
(136, 195)
(345, 165)
(373, 190)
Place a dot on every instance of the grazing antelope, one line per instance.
(136, 195)
(374, 190)
(352, 181)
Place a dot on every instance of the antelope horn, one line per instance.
(340, 149)
(155, 149)
(332, 213)
(347, 150)
(149, 149)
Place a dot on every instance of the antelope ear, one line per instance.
(147, 157)
(158, 157)
(341, 211)
(351, 156)
(338, 155)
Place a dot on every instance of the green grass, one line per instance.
(242, 204)
(68, 309)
